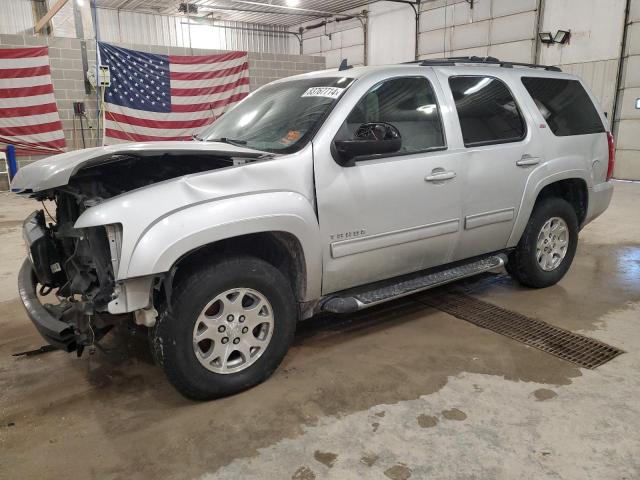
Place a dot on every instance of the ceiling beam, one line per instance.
(49, 15)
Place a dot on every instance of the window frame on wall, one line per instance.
(591, 106)
(429, 84)
(515, 101)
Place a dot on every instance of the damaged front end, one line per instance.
(72, 284)
(74, 267)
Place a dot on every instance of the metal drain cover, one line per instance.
(573, 347)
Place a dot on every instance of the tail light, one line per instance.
(612, 155)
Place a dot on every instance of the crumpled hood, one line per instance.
(56, 171)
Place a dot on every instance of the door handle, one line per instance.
(438, 176)
(527, 160)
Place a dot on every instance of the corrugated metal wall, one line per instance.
(151, 29)
(16, 16)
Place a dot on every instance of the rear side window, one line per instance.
(487, 111)
(565, 106)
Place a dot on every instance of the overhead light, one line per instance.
(292, 3)
(562, 36)
(546, 37)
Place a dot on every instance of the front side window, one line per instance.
(409, 104)
(279, 118)
(565, 105)
(487, 111)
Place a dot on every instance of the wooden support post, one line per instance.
(49, 15)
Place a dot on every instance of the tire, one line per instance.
(195, 369)
(524, 263)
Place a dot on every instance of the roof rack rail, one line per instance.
(442, 62)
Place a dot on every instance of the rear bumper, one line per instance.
(57, 333)
(599, 200)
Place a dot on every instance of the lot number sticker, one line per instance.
(329, 92)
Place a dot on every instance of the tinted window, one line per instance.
(407, 103)
(565, 106)
(487, 111)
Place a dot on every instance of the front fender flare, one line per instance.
(177, 233)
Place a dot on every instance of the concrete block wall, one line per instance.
(627, 125)
(505, 29)
(68, 78)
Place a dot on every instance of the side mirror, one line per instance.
(369, 139)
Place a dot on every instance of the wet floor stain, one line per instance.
(454, 414)
(398, 472)
(369, 459)
(325, 458)
(543, 394)
(303, 473)
(426, 421)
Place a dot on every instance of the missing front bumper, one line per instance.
(56, 332)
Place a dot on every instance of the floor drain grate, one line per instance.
(573, 347)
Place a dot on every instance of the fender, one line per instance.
(540, 178)
(154, 248)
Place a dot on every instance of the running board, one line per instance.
(380, 292)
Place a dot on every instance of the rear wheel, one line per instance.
(547, 247)
(229, 327)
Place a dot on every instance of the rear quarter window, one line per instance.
(565, 106)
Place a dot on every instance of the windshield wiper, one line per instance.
(230, 141)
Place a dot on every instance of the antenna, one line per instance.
(344, 66)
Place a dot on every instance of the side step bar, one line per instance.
(381, 292)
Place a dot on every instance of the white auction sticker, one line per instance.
(329, 92)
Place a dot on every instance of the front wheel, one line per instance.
(229, 327)
(547, 247)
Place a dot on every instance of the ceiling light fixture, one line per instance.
(292, 3)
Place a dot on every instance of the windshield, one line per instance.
(279, 118)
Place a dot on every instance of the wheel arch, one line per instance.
(281, 249)
(572, 186)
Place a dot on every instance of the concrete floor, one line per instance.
(401, 392)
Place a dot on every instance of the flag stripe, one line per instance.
(206, 59)
(29, 120)
(25, 91)
(27, 111)
(176, 75)
(150, 131)
(191, 92)
(25, 82)
(31, 129)
(25, 72)
(27, 101)
(134, 137)
(162, 124)
(25, 52)
(34, 62)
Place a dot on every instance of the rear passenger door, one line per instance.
(500, 151)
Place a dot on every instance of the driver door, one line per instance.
(389, 214)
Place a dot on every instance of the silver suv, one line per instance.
(326, 192)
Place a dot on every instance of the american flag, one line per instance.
(28, 112)
(168, 97)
